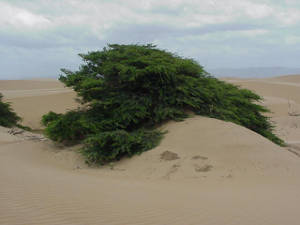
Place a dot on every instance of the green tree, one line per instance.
(130, 89)
(8, 118)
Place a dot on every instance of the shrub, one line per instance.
(113, 145)
(129, 88)
(49, 117)
(71, 127)
(8, 118)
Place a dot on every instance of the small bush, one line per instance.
(128, 90)
(49, 117)
(23, 127)
(8, 118)
(113, 145)
(71, 127)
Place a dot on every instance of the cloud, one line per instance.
(216, 33)
(257, 11)
(292, 40)
(11, 16)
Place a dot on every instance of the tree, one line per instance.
(128, 90)
(8, 118)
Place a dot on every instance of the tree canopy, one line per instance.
(8, 118)
(128, 90)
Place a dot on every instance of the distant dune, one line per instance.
(282, 97)
(31, 99)
(257, 72)
(205, 171)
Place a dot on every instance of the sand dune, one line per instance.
(205, 171)
(30, 84)
(210, 149)
(282, 97)
(31, 99)
(287, 78)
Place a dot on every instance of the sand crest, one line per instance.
(205, 171)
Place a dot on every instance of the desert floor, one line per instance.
(205, 171)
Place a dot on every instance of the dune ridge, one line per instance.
(205, 171)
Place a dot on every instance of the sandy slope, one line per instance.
(205, 171)
(282, 97)
(34, 98)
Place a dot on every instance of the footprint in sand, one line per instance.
(168, 155)
(204, 168)
(173, 169)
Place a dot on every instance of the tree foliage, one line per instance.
(8, 118)
(130, 89)
(113, 145)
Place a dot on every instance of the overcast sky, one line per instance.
(38, 37)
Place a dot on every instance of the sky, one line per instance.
(39, 37)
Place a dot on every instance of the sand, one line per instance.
(282, 97)
(205, 171)
(31, 99)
